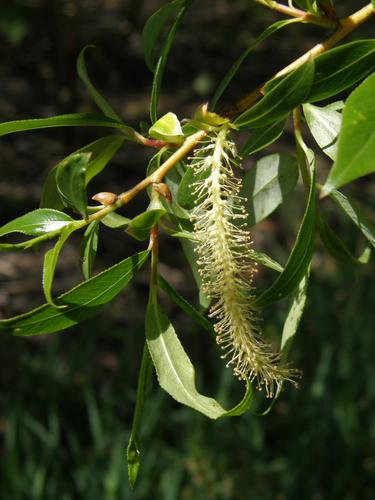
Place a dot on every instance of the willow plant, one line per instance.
(210, 205)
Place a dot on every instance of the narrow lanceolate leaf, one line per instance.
(340, 68)
(71, 182)
(238, 63)
(80, 303)
(266, 260)
(37, 222)
(101, 151)
(300, 257)
(190, 254)
(260, 138)
(325, 125)
(97, 97)
(70, 120)
(162, 61)
(152, 31)
(89, 247)
(296, 308)
(134, 449)
(282, 96)
(185, 305)
(334, 245)
(50, 262)
(267, 184)
(356, 146)
(174, 369)
(358, 216)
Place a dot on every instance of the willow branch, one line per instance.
(346, 26)
(305, 17)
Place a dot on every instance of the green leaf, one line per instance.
(71, 181)
(185, 193)
(50, 197)
(356, 145)
(334, 245)
(339, 68)
(300, 256)
(167, 128)
(237, 64)
(97, 97)
(286, 93)
(71, 120)
(89, 247)
(265, 260)
(186, 306)
(152, 30)
(101, 150)
(267, 184)
(134, 449)
(191, 257)
(309, 5)
(296, 308)
(262, 137)
(175, 372)
(37, 222)
(325, 125)
(357, 215)
(140, 226)
(50, 261)
(115, 221)
(162, 61)
(81, 302)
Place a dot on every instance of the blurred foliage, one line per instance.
(67, 400)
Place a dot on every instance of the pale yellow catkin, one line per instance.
(224, 260)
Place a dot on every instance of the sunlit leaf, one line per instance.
(174, 369)
(167, 128)
(267, 184)
(37, 222)
(81, 302)
(340, 68)
(286, 93)
(325, 125)
(356, 145)
(50, 262)
(70, 120)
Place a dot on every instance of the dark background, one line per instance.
(67, 399)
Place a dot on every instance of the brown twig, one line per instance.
(346, 26)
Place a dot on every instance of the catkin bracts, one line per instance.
(223, 249)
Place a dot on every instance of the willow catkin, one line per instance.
(223, 249)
